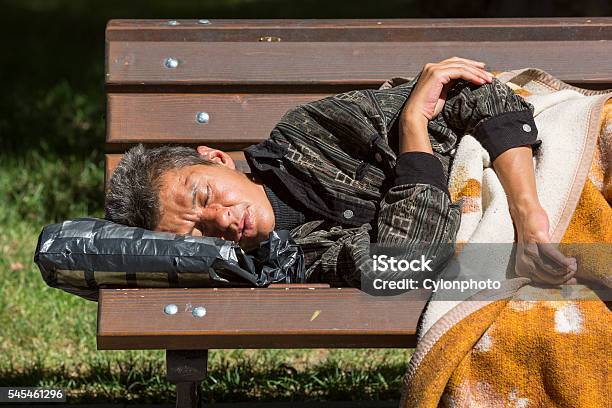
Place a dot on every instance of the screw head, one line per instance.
(173, 23)
(170, 309)
(268, 38)
(202, 117)
(199, 311)
(203, 21)
(171, 63)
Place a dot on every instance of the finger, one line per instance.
(535, 252)
(540, 276)
(545, 272)
(529, 264)
(468, 63)
(475, 70)
(470, 74)
(479, 75)
(481, 68)
(549, 275)
(552, 254)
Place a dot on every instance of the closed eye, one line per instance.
(208, 195)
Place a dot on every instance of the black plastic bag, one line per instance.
(82, 255)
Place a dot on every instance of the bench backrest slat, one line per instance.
(376, 30)
(244, 74)
(361, 64)
(234, 120)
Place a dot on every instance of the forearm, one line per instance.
(413, 136)
(416, 163)
(514, 168)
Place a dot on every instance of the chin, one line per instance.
(252, 243)
(249, 244)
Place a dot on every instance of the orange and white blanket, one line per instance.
(524, 346)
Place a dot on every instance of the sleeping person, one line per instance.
(361, 167)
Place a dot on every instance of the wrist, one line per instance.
(413, 119)
(525, 206)
(413, 133)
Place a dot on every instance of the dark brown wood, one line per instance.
(388, 30)
(113, 159)
(356, 63)
(186, 369)
(289, 286)
(234, 119)
(256, 318)
(188, 395)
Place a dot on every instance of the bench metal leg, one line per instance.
(186, 368)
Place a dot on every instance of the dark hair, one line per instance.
(133, 195)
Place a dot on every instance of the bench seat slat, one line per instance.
(256, 318)
(357, 63)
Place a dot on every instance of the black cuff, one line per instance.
(419, 168)
(508, 130)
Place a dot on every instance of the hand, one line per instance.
(536, 258)
(429, 93)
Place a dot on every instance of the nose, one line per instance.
(218, 222)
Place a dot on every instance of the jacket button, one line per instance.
(348, 214)
(526, 128)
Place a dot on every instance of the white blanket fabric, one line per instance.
(567, 119)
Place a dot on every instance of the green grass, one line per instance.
(47, 338)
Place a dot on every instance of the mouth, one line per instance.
(246, 224)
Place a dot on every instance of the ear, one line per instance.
(216, 156)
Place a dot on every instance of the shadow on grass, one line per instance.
(231, 382)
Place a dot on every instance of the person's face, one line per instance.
(216, 201)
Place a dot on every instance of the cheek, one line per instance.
(228, 196)
(233, 190)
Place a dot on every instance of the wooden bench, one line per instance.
(225, 83)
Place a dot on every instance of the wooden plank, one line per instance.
(388, 30)
(234, 119)
(256, 318)
(113, 159)
(332, 63)
(290, 286)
